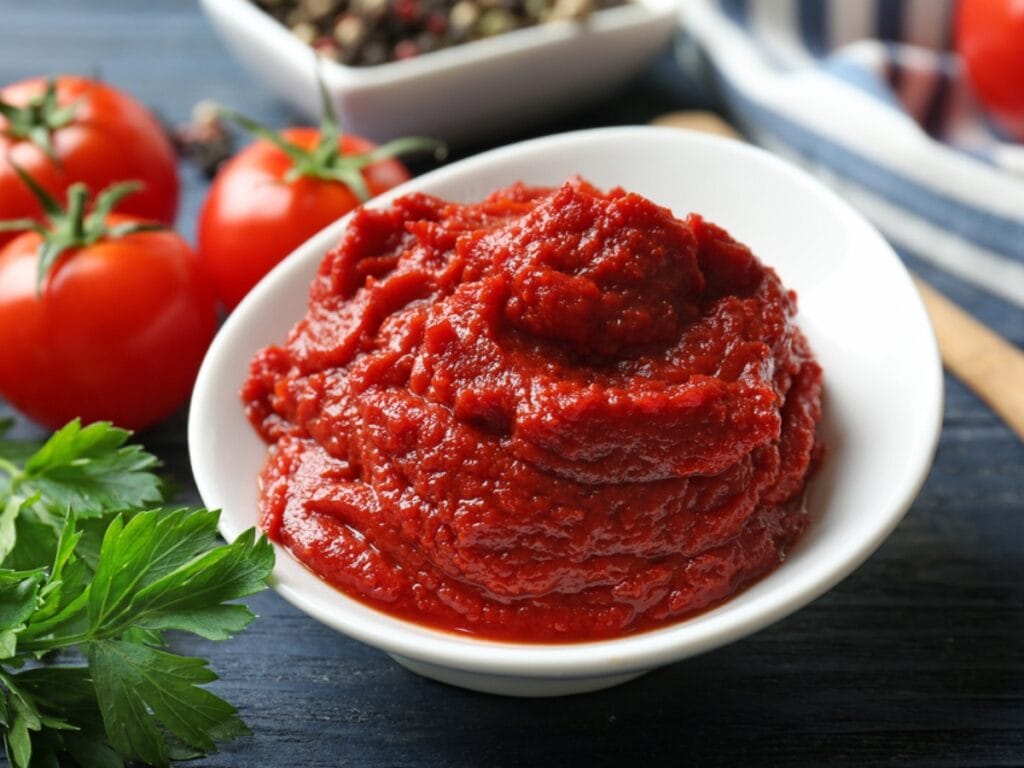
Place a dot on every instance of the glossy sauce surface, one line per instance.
(556, 415)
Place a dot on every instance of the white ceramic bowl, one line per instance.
(858, 307)
(460, 93)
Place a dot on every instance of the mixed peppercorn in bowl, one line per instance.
(371, 32)
(486, 86)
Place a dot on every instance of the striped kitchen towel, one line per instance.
(868, 95)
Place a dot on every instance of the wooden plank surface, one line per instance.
(915, 660)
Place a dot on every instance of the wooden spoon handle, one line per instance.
(990, 366)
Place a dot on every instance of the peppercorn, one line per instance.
(206, 139)
(371, 32)
(569, 9)
(463, 16)
(349, 31)
(305, 31)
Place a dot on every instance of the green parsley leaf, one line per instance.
(141, 552)
(85, 470)
(194, 597)
(35, 539)
(19, 592)
(17, 740)
(69, 538)
(63, 610)
(90, 470)
(8, 525)
(22, 717)
(142, 636)
(92, 750)
(45, 747)
(139, 688)
(19, 598)
(167, 576)
(93, 530)
(69, 691)
(89, 569)
(63, 599)
(63, 689)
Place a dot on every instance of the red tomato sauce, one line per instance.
(555, 415)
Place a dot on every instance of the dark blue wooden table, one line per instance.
(916, 659)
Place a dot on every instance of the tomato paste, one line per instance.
(554, 415)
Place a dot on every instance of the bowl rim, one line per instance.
(634, 652)
(632, 14)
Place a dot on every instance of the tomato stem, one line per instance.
(326, 160)
(78, 196)
(72, 227)
(38, 118)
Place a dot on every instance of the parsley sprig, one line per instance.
(93, 569)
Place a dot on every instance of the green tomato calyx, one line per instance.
(75, 226)
(38, 118)
(326, 161)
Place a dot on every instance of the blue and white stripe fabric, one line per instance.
(868, 95)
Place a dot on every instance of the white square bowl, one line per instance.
(459, 94)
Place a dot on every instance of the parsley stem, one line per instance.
(10, 468)
(53, 643)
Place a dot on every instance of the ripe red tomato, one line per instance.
(990, 37)
(117, 333)
(107, 137)
(253, 217)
